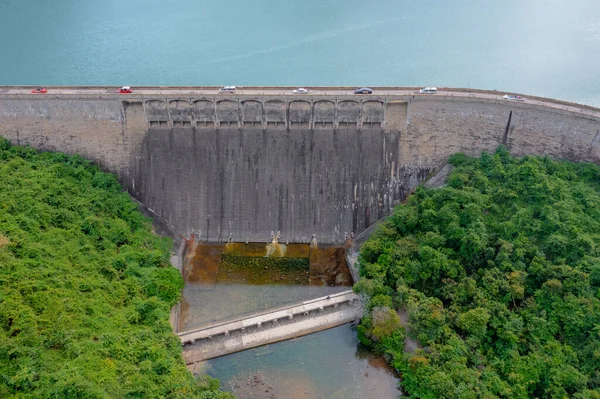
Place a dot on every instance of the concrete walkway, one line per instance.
(269, 327)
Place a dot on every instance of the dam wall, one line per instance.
(329, 164)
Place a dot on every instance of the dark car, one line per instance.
(363, 90)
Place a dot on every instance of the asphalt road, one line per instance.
(390, 93)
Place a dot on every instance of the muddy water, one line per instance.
(328, 365)
(225, 281)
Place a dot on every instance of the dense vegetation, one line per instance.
(85, 287)
(499, 272)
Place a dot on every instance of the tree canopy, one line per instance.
(499, 272)
(85, 287)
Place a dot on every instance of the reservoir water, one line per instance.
(549, 48)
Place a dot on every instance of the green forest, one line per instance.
(85, 287)
(499, 274)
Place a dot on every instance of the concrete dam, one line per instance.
(323, 165)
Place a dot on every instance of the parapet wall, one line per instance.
(328, 164)
(284, 113)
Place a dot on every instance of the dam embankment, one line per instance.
(328, 164)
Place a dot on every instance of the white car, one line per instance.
(513, 97)
(300, 90)
(428, 90)
(227, 89)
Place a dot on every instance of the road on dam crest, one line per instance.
(288, 91)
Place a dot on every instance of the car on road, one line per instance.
(227, 89)
(300, 90)
(513, 97)
(428, 90)
(363, 90)
(125, 90)
(40, 90)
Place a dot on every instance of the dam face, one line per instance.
(244, 183)
(238, 167)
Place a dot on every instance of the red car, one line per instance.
(124, 90)
(40, 90)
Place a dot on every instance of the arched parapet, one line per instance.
(323, 114)
(373, 114)
(228, 112)
(252, 113)
(348, 113)
(300, 113)
(203, 112)
(275, 113)
(157, 113)
(180, 112)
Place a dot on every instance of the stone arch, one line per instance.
(227, 111)
(275, 111)
(324, 111)
(156, 104)
(203, 111)
(179, 104)
(157, 114)
(300, 111)
(181, 113)
(252, 111)
(348, 111)
(372, 112)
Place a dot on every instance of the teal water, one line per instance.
(325, 365)
(549, 48)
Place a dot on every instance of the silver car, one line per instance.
(513, 97)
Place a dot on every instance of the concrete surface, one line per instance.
(328, 163)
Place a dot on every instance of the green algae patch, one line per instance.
(263, 270)
(271, 249)
(85, 287)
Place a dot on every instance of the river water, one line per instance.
(543, 47)
(327, 365)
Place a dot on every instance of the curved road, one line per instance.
(387, 92)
